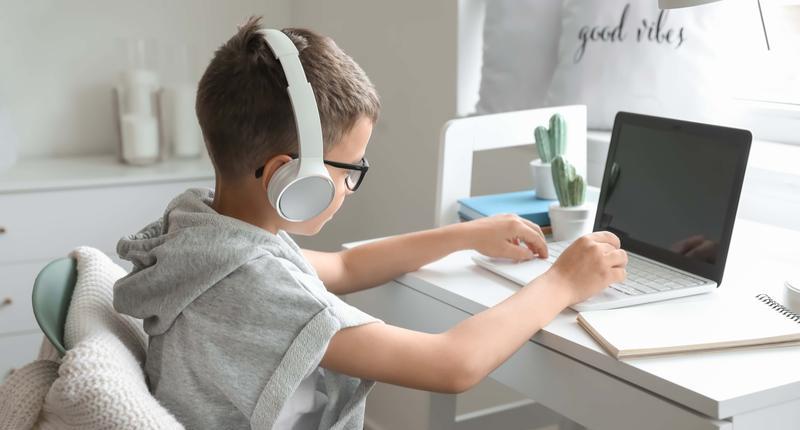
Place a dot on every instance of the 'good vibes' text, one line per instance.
(648, 31)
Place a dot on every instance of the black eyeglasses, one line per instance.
(354, 177)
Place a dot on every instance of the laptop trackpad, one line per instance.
(521, 273)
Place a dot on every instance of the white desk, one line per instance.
(563, 368)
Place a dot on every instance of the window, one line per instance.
(770, 79)
(773, 75)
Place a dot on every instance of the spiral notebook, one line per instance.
(710, 324)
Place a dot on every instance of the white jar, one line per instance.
(140, 139)
(182, 128)
(137, 105)
(543, 180)
(137, 91)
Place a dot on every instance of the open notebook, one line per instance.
(669, 327)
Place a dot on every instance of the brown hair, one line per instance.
(243, 106)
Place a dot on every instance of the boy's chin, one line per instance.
(309, 228)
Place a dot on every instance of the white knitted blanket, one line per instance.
(99, 384)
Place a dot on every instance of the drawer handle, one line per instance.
(6, 302)
(2, 230)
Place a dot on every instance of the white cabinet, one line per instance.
(48, 207)
(15, 302)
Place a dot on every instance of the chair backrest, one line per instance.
(52, 292)
(461, 137)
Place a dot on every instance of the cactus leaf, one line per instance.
(577, 191)
(570, 187)
(558, 134)
(543, 144)
(551, 142)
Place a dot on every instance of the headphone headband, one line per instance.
(301, 95)
(300, 189)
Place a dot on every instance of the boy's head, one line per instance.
(247, 120)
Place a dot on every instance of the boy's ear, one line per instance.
(271, 166)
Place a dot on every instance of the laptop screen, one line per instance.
(671, 190)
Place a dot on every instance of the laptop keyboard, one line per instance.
(644, 277)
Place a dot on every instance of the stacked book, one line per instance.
(523, 203)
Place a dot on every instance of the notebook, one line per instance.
(522, 203)
(710, 324)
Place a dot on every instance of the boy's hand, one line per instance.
(506, 236)
(590, 264)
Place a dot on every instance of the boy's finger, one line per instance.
(617, 258)
(519, 253)
(606, 248)
(532, 225)
(618, 274)
(606, 237)
(534, 240)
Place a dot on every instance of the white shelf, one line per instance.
(97, 171)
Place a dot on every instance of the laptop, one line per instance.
(670, 192)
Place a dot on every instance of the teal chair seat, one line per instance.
(52, 292)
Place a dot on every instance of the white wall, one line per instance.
(409, 50)
(59, 60)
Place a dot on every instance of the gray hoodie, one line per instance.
(237, 319)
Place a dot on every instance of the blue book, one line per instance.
(522, 203)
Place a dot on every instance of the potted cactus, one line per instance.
(570, 217)
(551, 143)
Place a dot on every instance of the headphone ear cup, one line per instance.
(297, 197)
(279, 182)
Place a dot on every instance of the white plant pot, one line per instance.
(543, 180)
(572, 222)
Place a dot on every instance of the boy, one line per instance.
(245, 328)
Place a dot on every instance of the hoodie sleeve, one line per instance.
(347, 315)
(254, 336)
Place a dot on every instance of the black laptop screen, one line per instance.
(671, 193)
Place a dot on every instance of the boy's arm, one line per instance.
(379, 262)
(458, 359)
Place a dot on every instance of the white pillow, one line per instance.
(520, 41)
(677, 68)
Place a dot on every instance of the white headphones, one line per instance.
(302, 188)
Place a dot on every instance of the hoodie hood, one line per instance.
(189, 250)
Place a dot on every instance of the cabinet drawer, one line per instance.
(49, 224)
(16, 286)
(18, 351)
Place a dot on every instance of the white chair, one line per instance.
(100, 381)
(460, 138)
